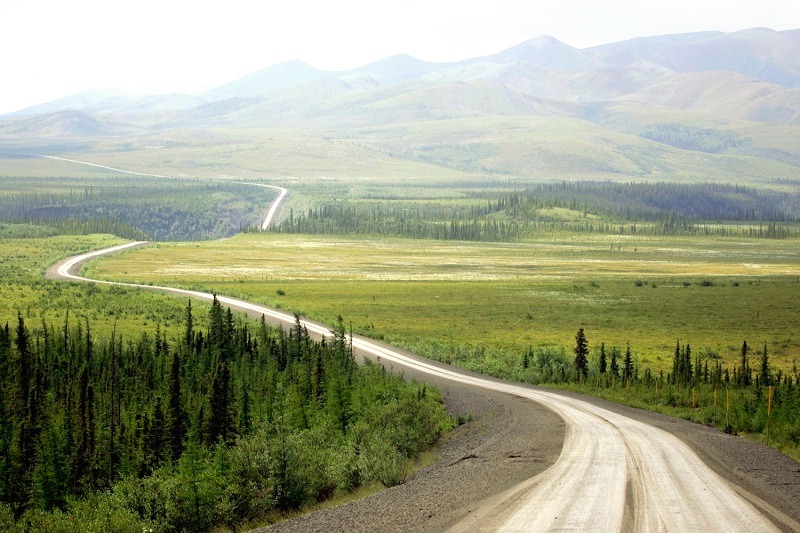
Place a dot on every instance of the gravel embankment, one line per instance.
(508, 441)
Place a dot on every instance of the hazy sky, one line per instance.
(54, 48)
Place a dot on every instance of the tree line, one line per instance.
(675, 205)
(420, 222)
(693, 138)
(218, 427)
(134, 208)
(615, 208)
(748, 397)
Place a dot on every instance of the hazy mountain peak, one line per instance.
(395, 69)
(277, 76)
(546, 51)
(80, 100)
(65, 123)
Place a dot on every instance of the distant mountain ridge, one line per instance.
(641, 107)
(759, 53)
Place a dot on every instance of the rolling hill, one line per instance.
(692, 106)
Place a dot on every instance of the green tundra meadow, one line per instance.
(130, 410)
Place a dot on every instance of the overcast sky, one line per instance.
(55, 48)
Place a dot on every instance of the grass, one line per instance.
(484, 303)
(698, 404)
(439, 149)
(24, 290)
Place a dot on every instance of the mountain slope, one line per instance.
(63, 124)
(706, 105)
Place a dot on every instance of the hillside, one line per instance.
(709, 105)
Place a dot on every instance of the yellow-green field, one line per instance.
(24, 290)
(484, 303)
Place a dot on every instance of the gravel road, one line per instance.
(482, 480)
(511, 439)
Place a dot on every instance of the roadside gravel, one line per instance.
(508, 440)
(511, 439)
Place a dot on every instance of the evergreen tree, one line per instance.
(686, 365)
(155, 438)
(766, 379)
(188, 336)
(6, 422)
(614, 365)
(24, 420)
(627, 364)
(581, 354)
(676, 363)
(114, 409)
(744, 369)
(219, 419)
(176, 415)
(603, 363)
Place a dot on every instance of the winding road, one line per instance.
(614, 473)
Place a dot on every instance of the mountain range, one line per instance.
(709, 92)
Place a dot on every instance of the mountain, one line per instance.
(69, 123)
(644, 107)
(271, 78)
(112, 102)
(547, 52)
(759, 53)
(760, 68)
(394, 69)
(81, 100)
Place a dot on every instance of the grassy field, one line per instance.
(482, 304)
(23, 289)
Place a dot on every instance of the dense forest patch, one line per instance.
(128, 410)
(507, 213)
(130, 207)
(227, 425)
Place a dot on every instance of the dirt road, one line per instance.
(615, 471)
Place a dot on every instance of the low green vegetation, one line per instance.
(482, 304)
(746, 396)
(24, 290)
(665, 282)
(510, 310)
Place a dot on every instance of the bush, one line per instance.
(380, 461)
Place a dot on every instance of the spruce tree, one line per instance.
(766, 379)
(23, 412)
(188, 336)
(613, 367)
(627, 364)
(220, 421)
(603, 363)
(744, 369)
(581, 353)
(176, 415)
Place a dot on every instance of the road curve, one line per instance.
(614, 473)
